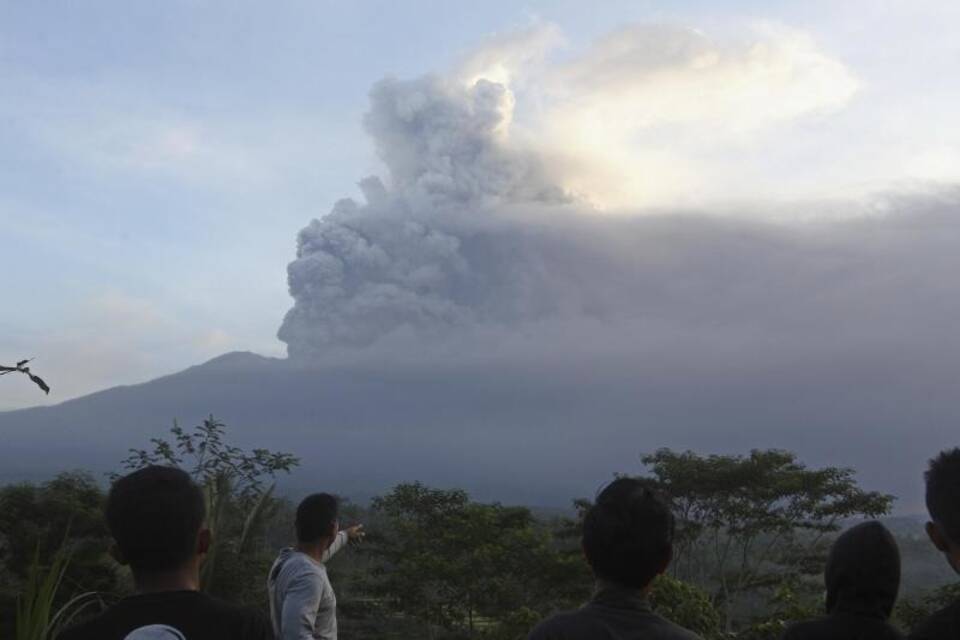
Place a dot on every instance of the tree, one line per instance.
(238, 487)
(40, 518)
(910, 612)
(749, 522)
(462, 566)
(59, 519)
(686, 605)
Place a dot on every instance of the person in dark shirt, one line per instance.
(156, 517)
(628, 541)
(862, 579)
(943, 504)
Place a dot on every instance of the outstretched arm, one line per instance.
(338, 543)
(351, 533)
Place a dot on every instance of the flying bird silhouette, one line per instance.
(21, 367)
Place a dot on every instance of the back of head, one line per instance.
(316, 517)
(943, 493)
(863, 571)
(154, 515)
(628, 534)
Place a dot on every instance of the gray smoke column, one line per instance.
(471, 237)
(423, 254)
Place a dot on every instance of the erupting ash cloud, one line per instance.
(431, 251)
(476, 234)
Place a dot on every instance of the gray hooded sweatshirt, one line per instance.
(302, 603)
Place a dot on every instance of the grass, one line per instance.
(37, 619)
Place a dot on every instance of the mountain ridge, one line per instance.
(541, 433)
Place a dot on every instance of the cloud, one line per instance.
(649, 76)
(510, 58)
(638, 118)
(474, 241)
(404, 258)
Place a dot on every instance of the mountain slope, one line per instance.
(539, 434)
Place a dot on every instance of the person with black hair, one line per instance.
(943, 529)
(628, 541)
(156, 517)
(862, 579)
(302, 602)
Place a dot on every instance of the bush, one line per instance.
(686, 605)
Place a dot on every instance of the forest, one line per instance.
(753, 531)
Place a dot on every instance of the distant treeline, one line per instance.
(753, 531)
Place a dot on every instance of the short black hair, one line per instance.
(316, 516)
(943, 492)
(628, 533)
(154, 515)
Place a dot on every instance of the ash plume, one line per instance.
(474, 242)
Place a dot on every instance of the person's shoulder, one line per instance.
(804, 629)
(944, 623)
(299, 564)
(668, 630)
(562, 625)
(194, 612)
(801, 627)
(841, 627)
(221, 608)
(96, 627)
(235, 620)
(82, 631)
(586, 623)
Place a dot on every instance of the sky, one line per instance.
(158, 161)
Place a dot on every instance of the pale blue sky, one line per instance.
(158, 159)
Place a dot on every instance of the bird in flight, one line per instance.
(21, 367)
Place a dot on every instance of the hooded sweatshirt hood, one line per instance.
(863, 571)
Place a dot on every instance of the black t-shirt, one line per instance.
(841, 626)
(172, 615)
(942, 625)
(612, 614)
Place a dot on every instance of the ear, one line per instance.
(937, 538)
(116, 554)
(204, 540)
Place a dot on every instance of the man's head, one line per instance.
(317, 518)
(943, 503)
(156, 517)
(628, 534)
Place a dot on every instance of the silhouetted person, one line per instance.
(628, 541)
(862, 579)
(302, 602)
(943, 504)
(156, 517)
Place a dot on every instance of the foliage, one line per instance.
(207, 457)
(686, 605)
(751, 531)
(786, 605)
(910, 612)
(238, 488)
(36, 618)
(464, 566)
(749, 522)
(63, 515)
